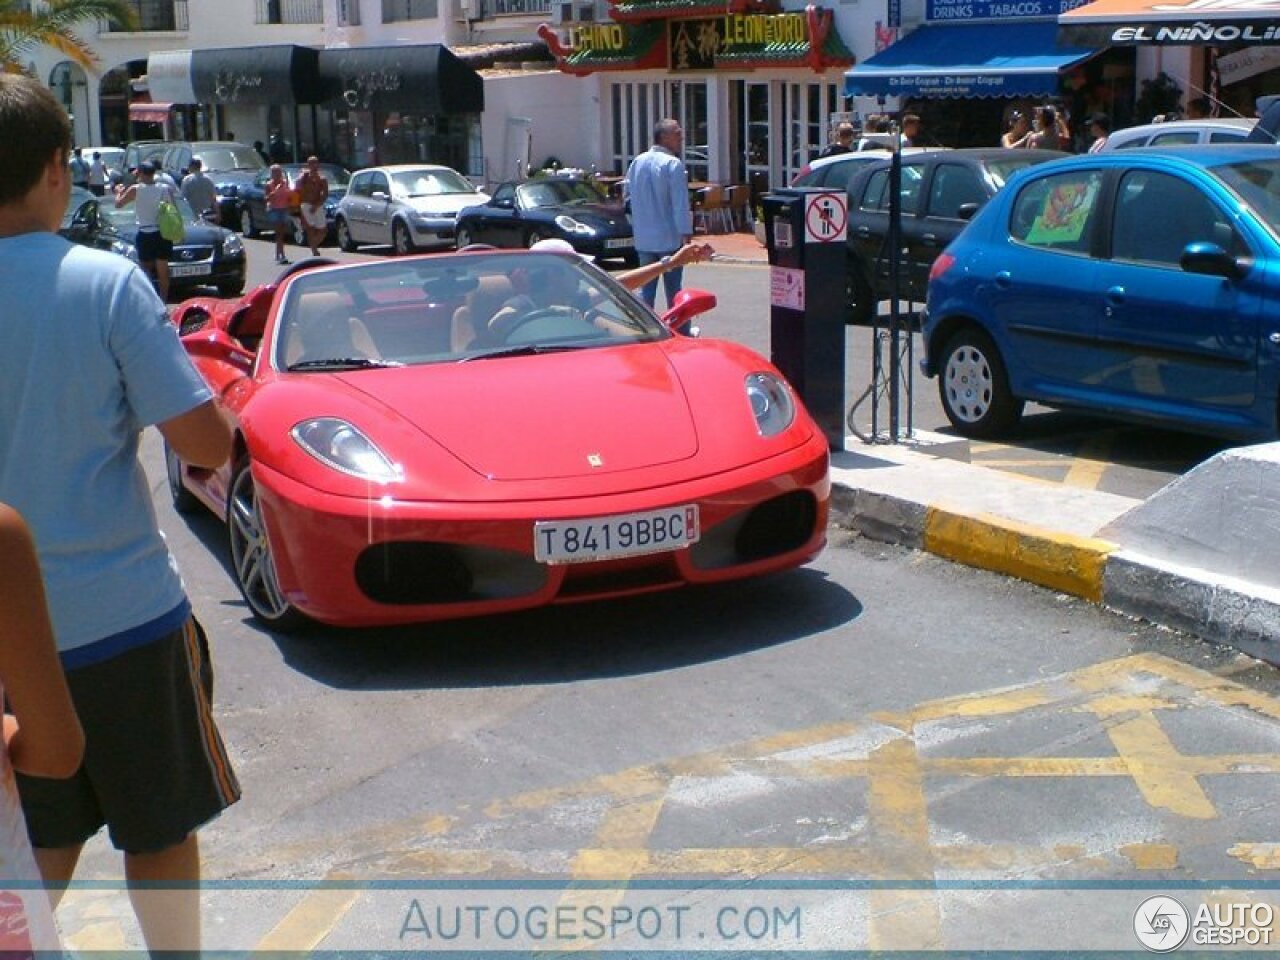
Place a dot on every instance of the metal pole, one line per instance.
(895, 319)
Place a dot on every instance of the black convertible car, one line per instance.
(521, 214)
(207, 256)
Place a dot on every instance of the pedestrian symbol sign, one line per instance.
(825, 218)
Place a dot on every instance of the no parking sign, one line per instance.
(826, 217)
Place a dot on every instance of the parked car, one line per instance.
(521, 214)
(838, 170)
(206, 256)
(1172, 133)
(1143, 285)
(941, 190)
(253, 200)
(230, 165)
(581, 453)
(409, 206)
(134, 153)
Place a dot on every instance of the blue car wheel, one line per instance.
(974, 387)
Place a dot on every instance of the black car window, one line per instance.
(953, 186)
(360, 184)
(504, 193)
(876, 196)
(378, 181)
(1055, 212)
(873, 196)
(1157, 215)
(1228, 136)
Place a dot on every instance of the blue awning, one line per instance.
(968, 60)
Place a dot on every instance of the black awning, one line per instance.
(426, 78)
(256, 75)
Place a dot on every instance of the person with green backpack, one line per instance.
(149, 200)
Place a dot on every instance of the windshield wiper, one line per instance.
(527, 350)
(343, 363)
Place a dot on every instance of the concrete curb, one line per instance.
(1219, 609)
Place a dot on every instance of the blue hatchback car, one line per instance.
(1143, 284)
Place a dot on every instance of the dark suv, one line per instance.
(941, 190)
(230, 165)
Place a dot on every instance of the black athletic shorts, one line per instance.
(152, 246)
(154, 767)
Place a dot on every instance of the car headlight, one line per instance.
(124, 249)
(226, 190)
(771, 403)
(570, 225)
(339, 445)
(232, 246)
(425, 215)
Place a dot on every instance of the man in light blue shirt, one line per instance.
(657, 188)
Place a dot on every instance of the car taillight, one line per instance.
(941, 265)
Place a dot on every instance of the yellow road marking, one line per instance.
(1151, 856)
(1090, 462)
(98, 935)
(899, 819)
(310, 921)
(1158, 769)
(1260, 856)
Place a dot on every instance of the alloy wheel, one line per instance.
(251, 552)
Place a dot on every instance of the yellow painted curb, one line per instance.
(1062, 562)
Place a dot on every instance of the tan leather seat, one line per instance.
(323, 327)
(471, 320)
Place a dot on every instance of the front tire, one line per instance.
(464, 238)
(401, 239)
(345, 243)
(184, 501)
(231, 288)
(251, 559)
(534, 237)
(974, 386)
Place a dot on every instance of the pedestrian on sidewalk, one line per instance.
(199, 191)
(279, 200)
(841, 142)
(98, 175)
(153, 249)
(135, 659)
(657, 189)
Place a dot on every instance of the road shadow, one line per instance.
(581, 641)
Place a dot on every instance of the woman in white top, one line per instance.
(153, 249)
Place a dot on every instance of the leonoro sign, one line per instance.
(1211, 22)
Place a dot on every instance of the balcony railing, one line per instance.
(504, 8)
(289, 11)
(395, 10)
(155, 16)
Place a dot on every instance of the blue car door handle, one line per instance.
(1004, 279)
(1115, 296)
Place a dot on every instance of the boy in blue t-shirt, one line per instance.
(88, 359)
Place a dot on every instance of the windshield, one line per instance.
(1257, 182)
(453, 308)
(554, 193)
(430, 183)
(79, 197)
(222, 159)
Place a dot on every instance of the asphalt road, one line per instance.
(880, 717)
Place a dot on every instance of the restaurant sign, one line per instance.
(969, 10)
(695, 44)
(598, 37)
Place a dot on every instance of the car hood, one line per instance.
(593, 214)
(446, 203)
(553, 416)
(233, 178)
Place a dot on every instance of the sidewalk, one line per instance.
(1125, 554)
(740, 247)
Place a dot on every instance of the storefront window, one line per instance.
(689, 107)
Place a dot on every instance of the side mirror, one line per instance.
(380, 195)
(688, 304)
(966, 210)
(504, 204)
(217, 345)
(1211, 260)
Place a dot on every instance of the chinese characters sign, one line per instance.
(695, 44)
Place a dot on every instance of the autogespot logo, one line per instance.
(1161, 924)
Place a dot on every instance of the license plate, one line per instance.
(190, 269)
(609, 538)
(620, 243)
